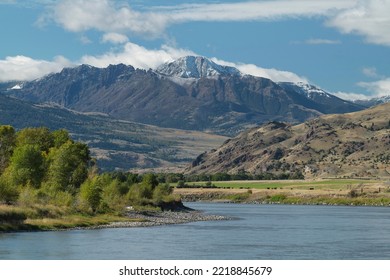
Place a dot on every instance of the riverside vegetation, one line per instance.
(49, 181)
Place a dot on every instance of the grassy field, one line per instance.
(295, 184)
(318, 192)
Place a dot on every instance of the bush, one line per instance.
(140, 194)
(277, 198)
(28, 196)
(8, 194)
(113, 195)
(91, 193)
(162, 193)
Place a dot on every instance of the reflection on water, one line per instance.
(259, 232)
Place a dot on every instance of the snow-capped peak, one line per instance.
(195, 67)
(310, 91)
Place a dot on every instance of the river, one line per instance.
(273, 232)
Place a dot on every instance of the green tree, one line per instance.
(113, 194)
(91, 193)
(7, 144)
(68, 166)
(40, 137)
(26, 166)
(150, 179)
(60, 137)
(162, 193)
(8, 194)
(140, 194)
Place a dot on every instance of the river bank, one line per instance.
(373, 194)
(160, 218)
(128, 219)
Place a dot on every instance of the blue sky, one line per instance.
(341, 46)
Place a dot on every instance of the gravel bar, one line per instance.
(151, 218)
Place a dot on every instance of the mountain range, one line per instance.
(191, 93)
(338, 145)
(116, 144)
(132, 118)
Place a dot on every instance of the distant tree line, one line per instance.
(179, 177)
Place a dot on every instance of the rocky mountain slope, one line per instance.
(373, 101)
(348, 145)
(114, 143)
(191, 93)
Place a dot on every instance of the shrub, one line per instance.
(91, 193)
(277, 198)
(162, 193)
(8, 194)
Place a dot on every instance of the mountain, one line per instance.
(347, 145)
(327, 102)
(192, 93)
(116, 144)
(373, 101)
(195, 67)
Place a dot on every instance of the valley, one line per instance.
(116, 144)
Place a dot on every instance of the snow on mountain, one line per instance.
(383, 99)
(373, 101)
(195, 67)
(16, 87)
(309, 91)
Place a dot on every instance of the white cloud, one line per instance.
(369, 18)
(22, 68)
(351, 96)
(114, 38)
(272, 74)
(108, 17)
(103, 15)
(256, 10)
(25, 68)
(378, 88)
(143, 58)
(85, 40)
(322, 42)
(137, 56)
(372, 72)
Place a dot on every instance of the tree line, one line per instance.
(39, 166)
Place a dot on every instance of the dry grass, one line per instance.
(332, 192)
(48, 217)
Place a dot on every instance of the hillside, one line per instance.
(115, 143)
(349, 145)
(192, 93)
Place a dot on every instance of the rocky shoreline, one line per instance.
(155, 218)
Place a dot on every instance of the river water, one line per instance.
(256, 232)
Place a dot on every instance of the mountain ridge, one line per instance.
(209, 97)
